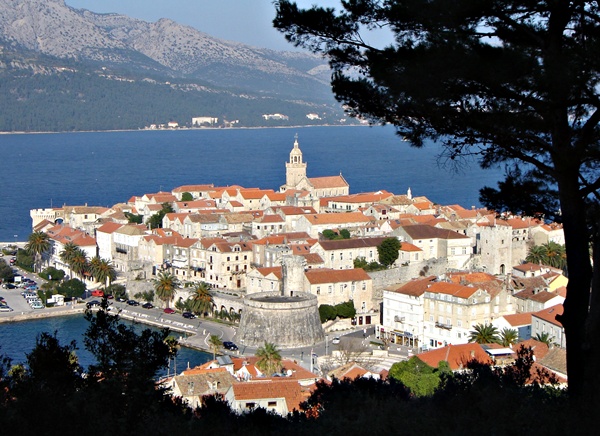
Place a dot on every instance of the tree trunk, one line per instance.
(576, 306)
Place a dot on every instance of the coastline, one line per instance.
(192, 338)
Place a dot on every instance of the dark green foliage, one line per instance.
(345, 310)
(133, 218)
(342, 310)
(52, 273)
(88, 98)
(155, 220)
(116, 290)
(345, 234)
(420, 378)
(388, 251)
(329, 234)
(6, 273)
(326, 312)
(73, 288)
(522, 194)
(522, 93)
(25, 260)
(186, 196)
(361, 262)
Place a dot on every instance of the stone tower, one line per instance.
(288, 318)
(295, 169)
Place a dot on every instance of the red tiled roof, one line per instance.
(328, 182)
(452, 289)
(415, 287)
(518, 319)
(457, 356)
(549, 314)
(324, 275)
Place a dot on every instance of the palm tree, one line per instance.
(545, 338)
(79, 263)
(174, 346)
(67, 253)
(103, 271)
(165, 286)
(269, 358)
(202, 301)
(509, 337)
(556, 255)
(484, 334)
(536, 254)
(215, 344)
(38, 243)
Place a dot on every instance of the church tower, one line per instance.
(295, 169)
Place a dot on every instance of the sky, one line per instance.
(246, 21)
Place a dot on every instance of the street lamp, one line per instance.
(16, 239)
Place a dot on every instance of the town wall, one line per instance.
(286, 321)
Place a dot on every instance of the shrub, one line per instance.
(345, 310)
(326, 312)
(52, 273)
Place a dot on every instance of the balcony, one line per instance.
(443, 326)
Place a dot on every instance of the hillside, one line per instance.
(69, 69)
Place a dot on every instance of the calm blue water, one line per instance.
(104, 168)
(17, 339)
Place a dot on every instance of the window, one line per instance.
(272, 403)
(330, 289)
(228, 258)
(318, 290)
(431, 318)
(364, 286)
(459, 324)
(250, 406)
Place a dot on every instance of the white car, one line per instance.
(5, 309)
(335, 340)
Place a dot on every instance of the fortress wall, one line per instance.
(286, 322)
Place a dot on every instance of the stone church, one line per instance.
(318, 187)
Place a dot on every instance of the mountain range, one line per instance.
(63, 68)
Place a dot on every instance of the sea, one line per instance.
(17, 339)
(103, 168)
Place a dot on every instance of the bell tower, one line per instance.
(295, 169)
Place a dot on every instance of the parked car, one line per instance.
(335, 340)
(147, 305)
(169, 310)
(97, 293)
(230, 346)
(5, 309)
(188, 315)
(133, 302)
(122, 299)
(93, 303)
(9, 286)
(37, 305)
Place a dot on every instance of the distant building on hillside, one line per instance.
(201, 121)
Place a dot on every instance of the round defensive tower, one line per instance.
(286, 318)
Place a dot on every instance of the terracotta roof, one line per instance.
(469, 277)
(313, 258)
(271, 219)
(452, 289)
(457, 356)
(555, 360)
(549, 314)
(255, 194)
(539, 348)
(109, 227)
(325, 275)
(518, 319)
(65, 234)
(538, 296)
(265, 271)
(193, 188)
(407, 246)
(328, 182)
(414, 288)
(290, 390)
(424, 231)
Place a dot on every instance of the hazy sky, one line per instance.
(246, 21)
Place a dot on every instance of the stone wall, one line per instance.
(403, 274)
(285, 321)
